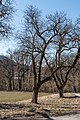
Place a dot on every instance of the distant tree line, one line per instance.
(47, 55)
(16, 75)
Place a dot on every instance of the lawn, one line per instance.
(17, 96)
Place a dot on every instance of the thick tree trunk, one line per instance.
(35, 95)
(61, 93)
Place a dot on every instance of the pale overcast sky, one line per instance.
(70, 7)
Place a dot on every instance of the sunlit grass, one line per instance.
(17, 96)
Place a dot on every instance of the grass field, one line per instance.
(17, 96)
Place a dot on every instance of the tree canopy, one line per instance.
(6, 11)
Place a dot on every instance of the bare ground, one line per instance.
(50, 105)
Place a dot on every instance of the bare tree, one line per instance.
(35, 43)
(65, 42)
(6, 11)
(10, 69)
(20, 69)
(45, 41)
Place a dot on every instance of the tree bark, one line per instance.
(10, 85)
(20, 85)
(35, 95)
(61, 93)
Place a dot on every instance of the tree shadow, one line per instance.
(45, 115)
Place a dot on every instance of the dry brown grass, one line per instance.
(51, 104)
(17, 96)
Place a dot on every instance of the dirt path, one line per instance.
(68, 117)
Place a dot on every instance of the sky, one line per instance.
(70, 7)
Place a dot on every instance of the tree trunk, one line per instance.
(13, 84)
(61, 93)
(20, 85)
(35, 95)
(10, 85)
